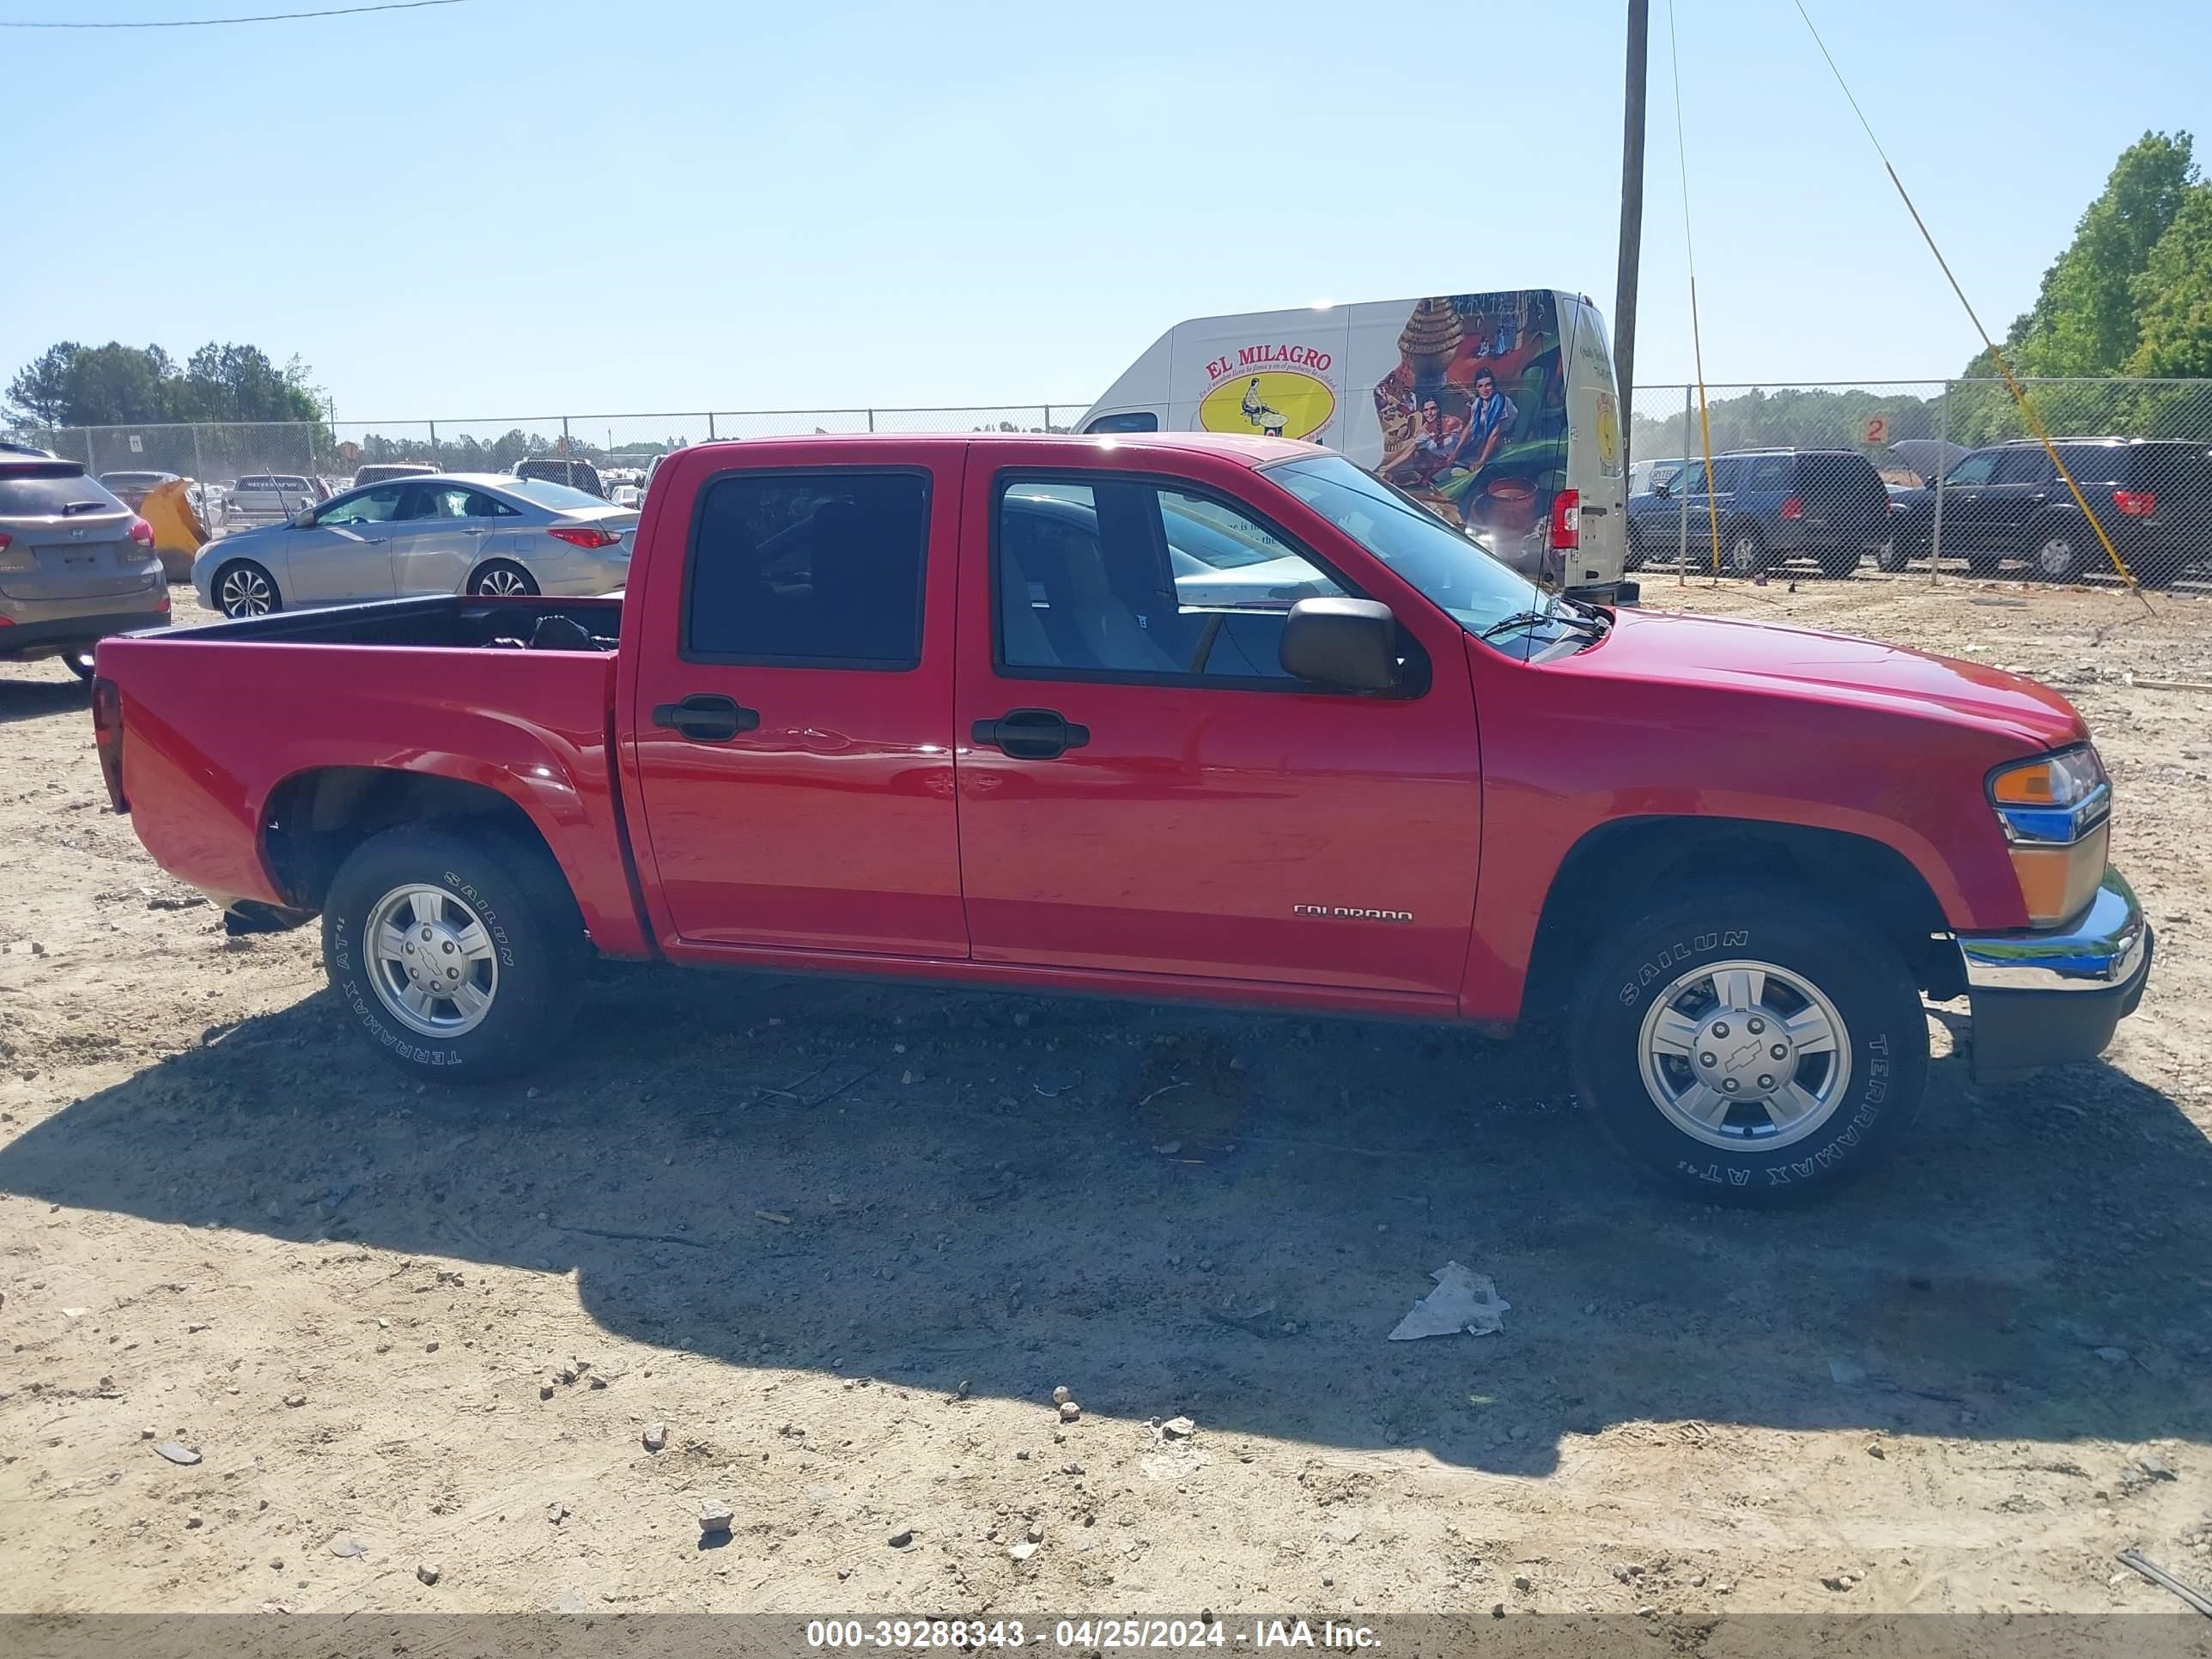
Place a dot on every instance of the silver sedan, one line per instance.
(446, 533)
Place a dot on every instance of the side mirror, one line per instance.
(1662, 488)
(304, 519)
(1352, 643)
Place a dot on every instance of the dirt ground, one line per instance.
(843, 1242)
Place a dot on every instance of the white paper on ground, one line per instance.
(1461, 1301)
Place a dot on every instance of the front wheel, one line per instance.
(1750, 1046)
(1746, 554)
(458, 956)
(243, 588)
(502, 578)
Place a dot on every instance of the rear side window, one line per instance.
(1762, 472)
(2102, 464)
(809, 569)
(53, 497)
(2177, 472)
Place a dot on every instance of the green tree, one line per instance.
(239, 383)
(2174, 295)
(40, 391)
(2084, 319)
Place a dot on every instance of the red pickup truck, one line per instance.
(1166, 717)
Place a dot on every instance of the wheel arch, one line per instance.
(314, 819)
(1589, 894)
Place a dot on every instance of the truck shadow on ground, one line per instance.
(23, 698)
(1217, 1215)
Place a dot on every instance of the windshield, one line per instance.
(548, 494)
(1450, 570)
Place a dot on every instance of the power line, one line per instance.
(2019, 392)
(217, 23)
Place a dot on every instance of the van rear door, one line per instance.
(1594, 464)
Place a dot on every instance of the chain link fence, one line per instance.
(1971, 490)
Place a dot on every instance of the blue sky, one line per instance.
(526, 206)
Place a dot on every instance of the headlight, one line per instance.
(2056, 811)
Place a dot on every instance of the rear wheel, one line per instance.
(1749, 1045)
(458, 955)
(502, 578)
(1633, 559)
(243, 588)
(79, 663)
(2056, 558)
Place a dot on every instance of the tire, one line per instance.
(498, 912)
(1744, 554)
(1893, 559)
(1841, 565)
(502, 578)
(1633, 558)
(2054, 555)
(243, 588)
(79, 663)
(1822, 968)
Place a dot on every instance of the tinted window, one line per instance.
(2095, 462)
(1761, 472)
(53, 497)
(2178, 472)
(458, 502)
(819, 570)
(1113, 575)
(2023, 466)
(1141, 420)
(1844, 476)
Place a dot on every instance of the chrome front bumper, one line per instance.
(2042, 998)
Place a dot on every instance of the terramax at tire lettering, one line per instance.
(456, 951)
(1749, 1044)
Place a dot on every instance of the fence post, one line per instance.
(871, 420)
(1942, 466)
(433, 443)
(1048, 417)
(199, 466)
(565, 445)
(710, 426)
(1682, 549)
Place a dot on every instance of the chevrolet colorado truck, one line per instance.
(1160, 716)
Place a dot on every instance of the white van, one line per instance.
(1497, 411)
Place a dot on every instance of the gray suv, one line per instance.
(75, 564)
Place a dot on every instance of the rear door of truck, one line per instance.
(789, 736)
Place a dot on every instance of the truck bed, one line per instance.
(238, 734)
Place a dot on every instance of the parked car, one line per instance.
(131, 488)
(855, 717)
(447, 533)
(268, 497)
(627, 495)
(76, 563)
(1642, 476)
(577, 475)
(377, 472)
(1773, 505)
(2153, 497)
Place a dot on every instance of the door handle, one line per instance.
(704, 718)
(1030, 734)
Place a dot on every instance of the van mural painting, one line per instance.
(1475, 415)
(1276, 402)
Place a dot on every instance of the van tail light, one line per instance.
(2135, 503)
(1793, 509)
(1566, 530)
(107, 737)
(7, 541)
(142, 532)
(583, 535)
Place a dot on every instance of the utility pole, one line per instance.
(1631, 216)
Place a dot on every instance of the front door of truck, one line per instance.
(1144, 790)
(793, 706)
